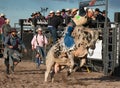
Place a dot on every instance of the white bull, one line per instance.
(84, 38)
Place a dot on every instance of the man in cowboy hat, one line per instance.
(68, 16)
(38, 42)
(12, 55)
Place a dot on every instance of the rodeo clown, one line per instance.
(12, 53)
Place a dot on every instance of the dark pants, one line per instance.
(53, 32)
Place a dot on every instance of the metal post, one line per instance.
(105, 42)
(21, 26)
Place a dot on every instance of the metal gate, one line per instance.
(110, 44)
(111, 48)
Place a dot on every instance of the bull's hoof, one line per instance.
(52, 74)
(68, 73)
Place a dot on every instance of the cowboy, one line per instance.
(12, 55)
(38, 43)
(68, 42)
(68, 39)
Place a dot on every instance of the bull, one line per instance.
(84, 38)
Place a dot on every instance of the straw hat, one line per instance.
(73, 10)
(39, 29)
(67, 9)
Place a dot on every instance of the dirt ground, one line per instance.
(27, 76)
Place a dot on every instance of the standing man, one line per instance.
(38, 43)
(6, 28)
(68, 17)
(2, 21)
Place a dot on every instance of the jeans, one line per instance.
(53, 32)
(41, 51)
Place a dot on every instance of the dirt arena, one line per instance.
(27, 76)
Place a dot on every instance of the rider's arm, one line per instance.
(82, 11)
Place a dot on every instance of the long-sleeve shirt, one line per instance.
(54, 21)
(13, 41)
(39, 40)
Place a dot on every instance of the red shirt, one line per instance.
(2, 21)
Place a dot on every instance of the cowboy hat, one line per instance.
(73, 10)
(51, 12)
(39, 29)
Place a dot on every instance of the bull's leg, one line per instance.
(77, 65)
(83, 61)
(48, 69)
(57, 68)
(71, 57)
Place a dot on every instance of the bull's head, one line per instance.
(85, 38)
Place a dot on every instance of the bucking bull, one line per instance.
(84, 38)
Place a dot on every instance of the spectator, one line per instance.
(33, 19)
(60, 26)
(6, 28)
(39, 16)
(2, 21)
(3, 16)
(63, 13)
(38, 43)
(99, 18)
(91, 21)
(68, 11)
(53, 23)
(104, 14)
(60, 18)
(68, 17)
